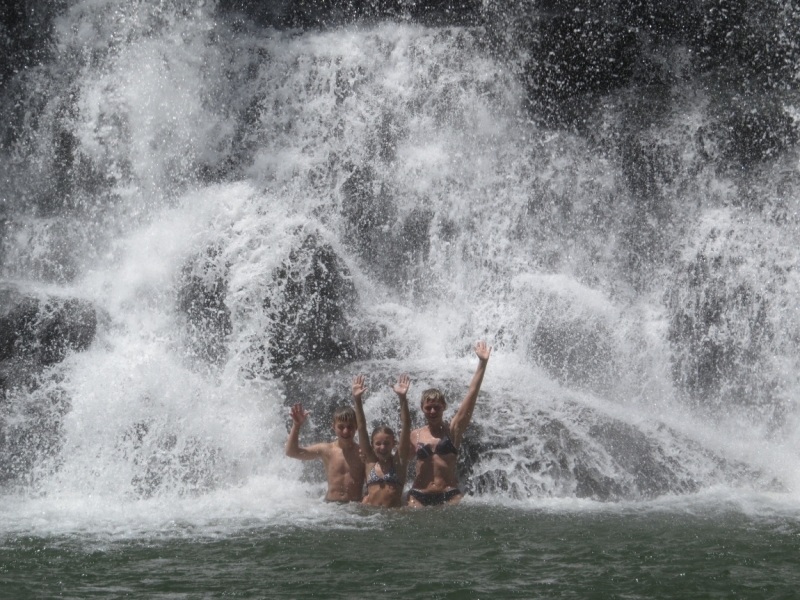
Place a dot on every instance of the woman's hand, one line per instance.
(401, 387)
(483, 351)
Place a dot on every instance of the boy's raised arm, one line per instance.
(293, 449)
(363, 437)
(463, 416)
(401, 389)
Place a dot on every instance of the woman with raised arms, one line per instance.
(386, 472)
(436, 444)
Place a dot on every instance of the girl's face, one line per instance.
(433, 410)
(383, 444)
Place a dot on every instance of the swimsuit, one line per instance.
(434, 499)
(390, 477)
(445, 446)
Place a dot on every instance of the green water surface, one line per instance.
(455, 552)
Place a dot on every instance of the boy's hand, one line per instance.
(358, 386)
(483, 351)
(298, 415)
(401, 387)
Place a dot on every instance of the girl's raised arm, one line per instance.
(363, 436)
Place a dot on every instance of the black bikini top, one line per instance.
(390, 477)
(444, 446)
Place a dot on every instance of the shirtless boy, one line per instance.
(343, 459)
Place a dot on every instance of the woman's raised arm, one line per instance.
(463, 416)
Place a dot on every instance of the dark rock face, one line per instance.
(35, 333)
(750, 131)
(574, 58)
(201, 297)
(30, 433)
(161, 460)
(333, 13)
(41, 331)
(720, 333)
(579, 353)
(392, 246)
(751, 42)
(309, 304)
(25, 29)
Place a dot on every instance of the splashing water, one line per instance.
(251, 216)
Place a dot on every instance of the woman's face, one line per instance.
(433, 410)
(382, 445)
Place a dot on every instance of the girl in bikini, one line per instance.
(386, 472)
(436, 444)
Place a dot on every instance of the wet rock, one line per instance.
(577, 352)
(42, 330)
(391, 245)
(36, 332)
(164, 462)
(575, 58)
(573, 451)
(310, 300)
(201, 298)
(570, 332)
(721, 333)
(640, 456)
(30, 433)
(334, 13)
(369, 212)
(25, 30)
(745, 43)
(750, 132)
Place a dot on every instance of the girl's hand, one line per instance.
(483, 351)
(298, 415)
(401, 387)
(358, 386)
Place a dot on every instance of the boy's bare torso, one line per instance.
(344, 468)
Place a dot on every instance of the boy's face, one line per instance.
(383, 444)
(345, 430)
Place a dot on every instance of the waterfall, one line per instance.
(207, 218)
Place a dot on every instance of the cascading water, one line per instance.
(206, 220)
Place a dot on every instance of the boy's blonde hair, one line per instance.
(432, 394)
(344, 414)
